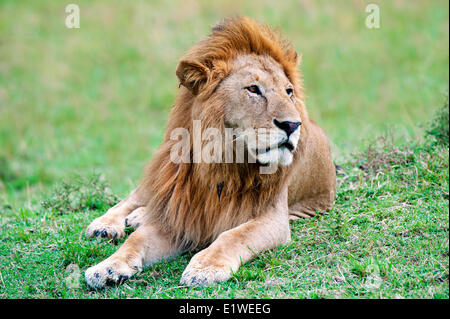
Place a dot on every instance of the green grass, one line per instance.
(386, 237)
(79, 104)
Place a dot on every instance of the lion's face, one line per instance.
(260, 99)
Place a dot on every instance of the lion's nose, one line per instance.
(287, 126)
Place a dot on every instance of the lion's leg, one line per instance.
(310, 207)
(112, 223)
(236, 246)
(145, 246)
(136, 218)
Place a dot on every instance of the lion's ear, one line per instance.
(192, 75)
(291, 55)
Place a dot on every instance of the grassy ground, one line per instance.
(386, 237)
(95, 100)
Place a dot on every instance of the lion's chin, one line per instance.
(281, 156)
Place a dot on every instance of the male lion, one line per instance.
(243, 75)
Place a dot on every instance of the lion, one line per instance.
(244, 75)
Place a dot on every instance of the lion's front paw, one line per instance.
(108, 272)
(106, 227)
(136, 218)
(204, 271)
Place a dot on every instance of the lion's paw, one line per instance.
(136, 218)
(108, 272)
(106, 227)
(204, 272)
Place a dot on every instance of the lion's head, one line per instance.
(244, 76)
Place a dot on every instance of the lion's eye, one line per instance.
(289, 91)
(254, 89)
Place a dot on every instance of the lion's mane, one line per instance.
(185, 198)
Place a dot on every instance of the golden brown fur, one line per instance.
(182, 206)
(185, 194)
